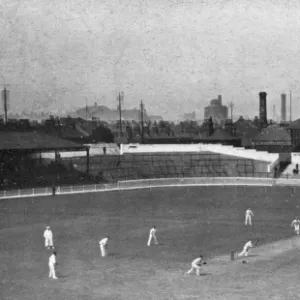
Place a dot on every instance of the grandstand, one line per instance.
(18, 169)
(94, 150)
(138, 161)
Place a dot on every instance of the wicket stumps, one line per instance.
(232, 255)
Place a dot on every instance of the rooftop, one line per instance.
(34, 141)
(274, 133)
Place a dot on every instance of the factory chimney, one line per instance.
(263, 109)
(283, 107)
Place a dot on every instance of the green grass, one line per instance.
(190, 221)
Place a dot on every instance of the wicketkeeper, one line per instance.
(196, 265)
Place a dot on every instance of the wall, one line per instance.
(295, 158)
(285, 157)
(157, 165)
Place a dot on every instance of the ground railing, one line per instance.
(149, 183)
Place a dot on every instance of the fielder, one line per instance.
(52, 263)
(152, 235)
(48, 237)
(248, 217)
(196, 265)
(246, 249)
(296, 225)
(103, 244)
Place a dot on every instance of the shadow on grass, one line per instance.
(205, 274)
(63, 276)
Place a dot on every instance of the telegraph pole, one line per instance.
(291, 106)
(5, 94)
(231, 105)
(86, 110)
(142, 120)
(120, 100)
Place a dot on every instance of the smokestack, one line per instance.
(263, 109)
(220, 99)
(283, 107)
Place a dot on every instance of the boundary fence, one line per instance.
(149, 183)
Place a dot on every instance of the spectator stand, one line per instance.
(21, 163)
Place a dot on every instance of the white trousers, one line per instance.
(150, 240)
(297, 230)
(248, 220)
(103, 250)
(245, 252)
(195, 268)
(52, 272)
(48, 242)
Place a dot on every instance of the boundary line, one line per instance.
(148, 184)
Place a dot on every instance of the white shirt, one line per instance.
(152, 231)
(296, 223)
(52, 260)
(197, 261)
(248, 245)
(48, 234)
(103, 242)
(249, 212)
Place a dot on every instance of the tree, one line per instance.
(129, 131)
(162, 124)
(256, 121)
(102, 134)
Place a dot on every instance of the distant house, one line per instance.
(222, 136)
(154, 118)
(274, 139)
(246, 130)
(295, 133)
(189, 116)
(108, 115)
(216, 110)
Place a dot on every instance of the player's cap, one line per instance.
(47, 227)
(54, 252)
(201, 255)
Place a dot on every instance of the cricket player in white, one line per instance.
(52, 263)
(296, 225)
(246, 249)
(152, 235)
(48, 237)
(103, 246)
(248, 215)
(196, 265)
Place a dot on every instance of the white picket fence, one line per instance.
(149, 183)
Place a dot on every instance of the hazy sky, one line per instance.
(174, 55)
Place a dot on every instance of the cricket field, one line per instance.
(190, 221)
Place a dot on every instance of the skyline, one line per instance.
(175, 56)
